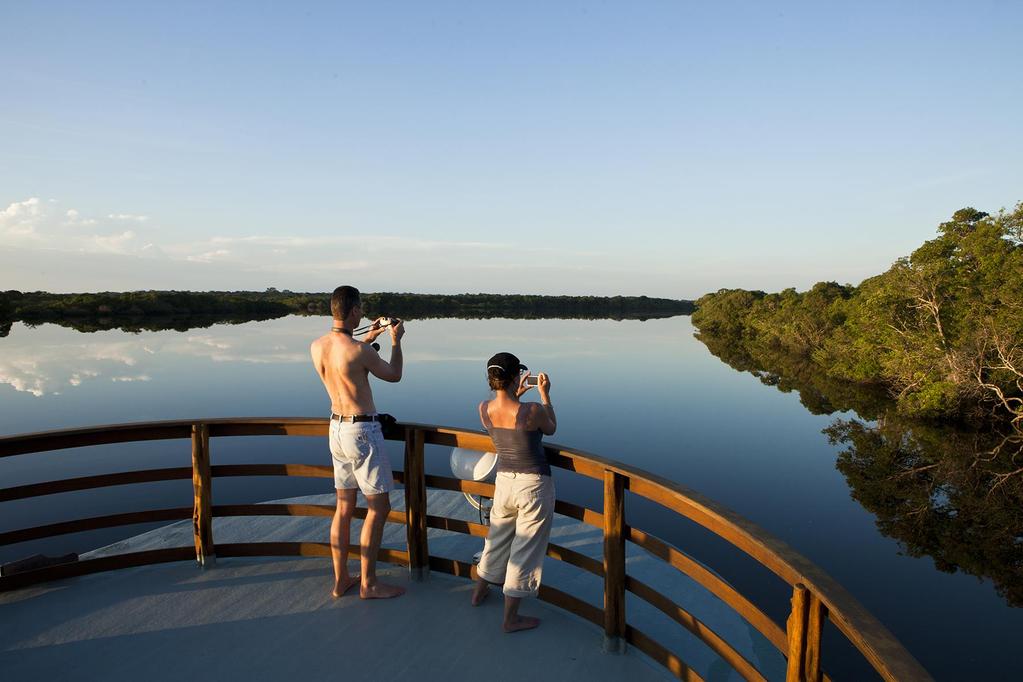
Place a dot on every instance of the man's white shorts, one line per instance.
(360, 460)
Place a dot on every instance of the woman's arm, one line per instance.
(548, 421)
(483, 414)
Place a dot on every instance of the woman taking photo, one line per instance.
(523, 509)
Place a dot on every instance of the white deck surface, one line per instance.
(271, 618)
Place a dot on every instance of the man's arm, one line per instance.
(380, 368)
(387, 371)
(317, 356)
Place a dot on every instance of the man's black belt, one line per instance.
(354, 418)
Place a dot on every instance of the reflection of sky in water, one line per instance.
(50, 359)
(645, 393)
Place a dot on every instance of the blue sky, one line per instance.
(659, 148)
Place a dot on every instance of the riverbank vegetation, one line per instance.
(153, 310)
(941, 331)
(929, 356)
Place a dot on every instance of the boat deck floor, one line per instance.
(273, 618)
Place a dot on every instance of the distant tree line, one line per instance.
(941, 331)
(151, 310)
(523, 306)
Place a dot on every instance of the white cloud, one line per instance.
(25, 376)
(74, 218)
(152, 251)
(116, 243)
(64, 249)
(29, 207)
(36, 224)
(21, 218)
(362, 241)
(209, 341)
(209, 256)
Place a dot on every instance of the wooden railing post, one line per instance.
(796, 631)
(814, 626)
(805, 624)
(614, 562)
(415, 504)
(202, 484)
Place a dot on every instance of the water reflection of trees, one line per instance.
(952, 493)
(135, 325)
(818, 392)
(947, 494)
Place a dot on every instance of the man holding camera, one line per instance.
(356, 438)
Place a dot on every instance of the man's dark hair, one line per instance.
(343, 300)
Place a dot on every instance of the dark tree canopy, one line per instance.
(941, 330)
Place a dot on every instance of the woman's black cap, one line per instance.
(507, 363)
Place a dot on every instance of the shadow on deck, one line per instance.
(275, 619)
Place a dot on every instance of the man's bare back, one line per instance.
(343, 366)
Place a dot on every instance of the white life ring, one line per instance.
(471, 465)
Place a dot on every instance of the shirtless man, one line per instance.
(356, 440)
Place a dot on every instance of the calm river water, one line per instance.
(642, 392)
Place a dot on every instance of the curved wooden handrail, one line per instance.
(715, 585)
(305, 470)
(63, 439)
(695, 626)
(98, 565)
(93, 523)
(867, 634)
(89, 482)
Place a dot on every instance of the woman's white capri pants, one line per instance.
(520, 525)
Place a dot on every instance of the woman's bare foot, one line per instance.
(346, 583)
(521, 623)
(479, 592)
(381, 591)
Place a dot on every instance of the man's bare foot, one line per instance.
(521, 623)
(344, 585)
(381, 591)
(479, 592)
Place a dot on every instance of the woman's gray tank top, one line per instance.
(518, 451)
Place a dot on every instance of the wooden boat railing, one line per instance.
(816, 597)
